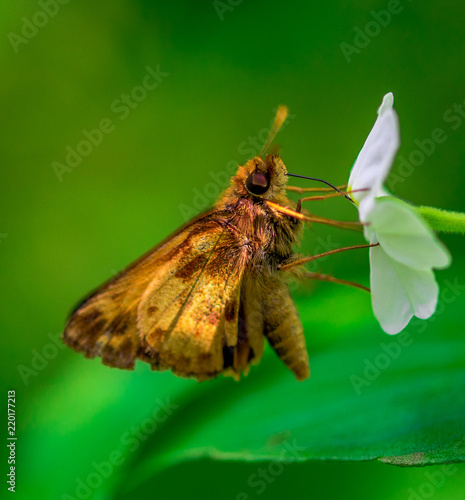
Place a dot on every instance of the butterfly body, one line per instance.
(202, 302)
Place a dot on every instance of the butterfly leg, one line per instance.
(294, 264)
(297, 213)
(297, 262)
(356, 226)
(325, 277)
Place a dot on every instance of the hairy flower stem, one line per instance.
(444, 221)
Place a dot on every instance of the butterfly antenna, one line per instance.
(279, 119)
(324, 182)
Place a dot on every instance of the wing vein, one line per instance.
(191, 291)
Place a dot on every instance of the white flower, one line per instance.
(402, 280)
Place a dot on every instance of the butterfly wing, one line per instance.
(187, 320)
(171, 308)
(105, 322)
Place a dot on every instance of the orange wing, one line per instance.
(186, 318)
(175, 308)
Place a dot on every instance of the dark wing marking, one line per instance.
(105, 323)
(182, 320)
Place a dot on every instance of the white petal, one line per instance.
(405, 236)
(399, 292)
(375, 158)
(388, 103)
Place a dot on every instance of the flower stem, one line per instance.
(443, 220)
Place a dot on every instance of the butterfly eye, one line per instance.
(257, 183)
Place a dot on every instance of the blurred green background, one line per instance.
(223, 68)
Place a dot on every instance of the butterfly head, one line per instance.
(260, 179)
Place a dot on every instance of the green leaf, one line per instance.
(410, 404)
(399, 400)
(84, 417)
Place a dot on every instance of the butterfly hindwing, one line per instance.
(250, 345)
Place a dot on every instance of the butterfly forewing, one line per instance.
(182, 319)
(169, 307)
(105, 323)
